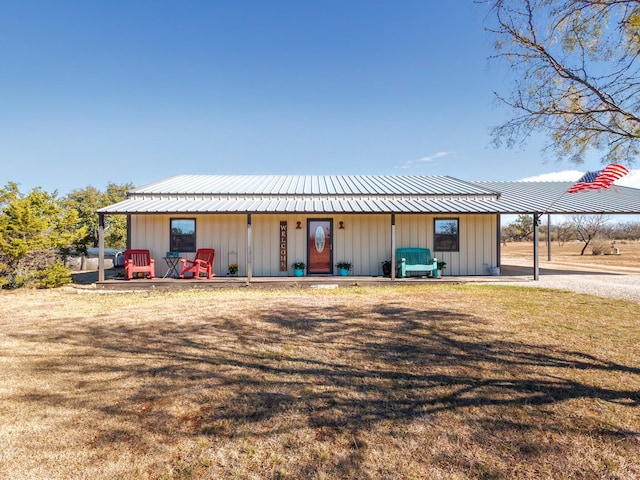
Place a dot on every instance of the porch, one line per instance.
(114, 280)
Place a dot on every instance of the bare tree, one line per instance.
(627, 231)
(564, 232)
(577, 74)
(588, 227)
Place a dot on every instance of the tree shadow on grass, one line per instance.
(339, 369)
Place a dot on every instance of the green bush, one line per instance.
(54, 276)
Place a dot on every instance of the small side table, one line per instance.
(172, 264)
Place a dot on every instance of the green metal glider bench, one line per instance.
(415, 260)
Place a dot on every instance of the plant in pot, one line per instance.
(298, 268)
(441, 266)
(343, 267)
(386, 268)
(232, 269)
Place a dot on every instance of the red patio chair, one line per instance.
(201, 264)
(138, 261)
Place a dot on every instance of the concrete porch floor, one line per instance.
(115, 281)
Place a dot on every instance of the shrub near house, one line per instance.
(35, 231)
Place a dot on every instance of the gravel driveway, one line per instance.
(611, 282)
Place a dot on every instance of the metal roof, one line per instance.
(366, 194)
(311, 185)
(552, 197)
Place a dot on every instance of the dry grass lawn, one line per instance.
(417, 382)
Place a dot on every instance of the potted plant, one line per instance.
(441, 266)
(298, 268)
(232, 269)
(386, 268)
(343, 268)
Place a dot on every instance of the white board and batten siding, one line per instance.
(226, 233)
(478, 237)
(365, 240)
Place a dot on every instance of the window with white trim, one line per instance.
(182, 235)
(446, 235)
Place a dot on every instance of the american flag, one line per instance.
(599, 180)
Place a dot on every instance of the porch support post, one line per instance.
(393, 246)
(498, 241)
(548, 236)
(128, 232)
(249, 248)
(536, 247)
(101, 247)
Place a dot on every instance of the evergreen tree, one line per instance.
(35, 230)
(86, 201)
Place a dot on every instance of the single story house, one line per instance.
(264, 223)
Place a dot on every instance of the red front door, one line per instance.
(320, 246)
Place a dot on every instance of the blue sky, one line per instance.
(122, 91)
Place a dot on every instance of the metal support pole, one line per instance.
(536, 247)
(548, 236)
(101, 247)
(498, 241)
(393, 246)
(249, 249)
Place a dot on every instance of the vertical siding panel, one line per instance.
(146, 232)
(489, 244)
(221, 237)
(260, 239)
(343, 240)
(483, 259)
(266, 238)
(459, 265)
(414, 239)
(298, 241)
(228, 235)
(361, 244)
(466, 255)
(475, 266)
(402, 232)
(411, 231)
(470, 251)
(204, 239)
(367, 240)
(137, 228)
(158, 239)
(495, 239)
(400, 228)
(423, 236)
(359, 249)
(369, 253)
(383, 244)
(340, 243)
(492, 238)
(482, 241)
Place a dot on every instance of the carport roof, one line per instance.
(551, 197)
(367, 194)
